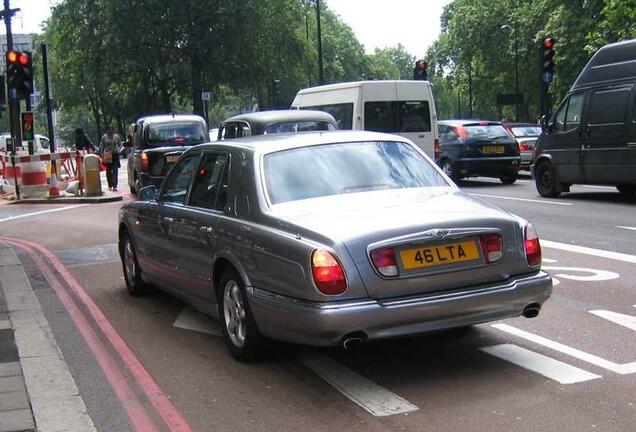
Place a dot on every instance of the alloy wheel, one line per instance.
(234, 313)
(129, 262)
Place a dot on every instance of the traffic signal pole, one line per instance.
(13, 100)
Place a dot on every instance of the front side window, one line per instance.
(45, 143)
(343, 113)
(335, 169)
(575, 108)
(176, 187)
(559, 117)
(209, 189)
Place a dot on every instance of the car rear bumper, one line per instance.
(326, 324)
(487, 166)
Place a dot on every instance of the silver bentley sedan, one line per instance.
(327, 238)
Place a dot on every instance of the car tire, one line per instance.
(240, 332)
(448, 169)
(626, 190)
(546, 180)
(132, 272)
(510, 179)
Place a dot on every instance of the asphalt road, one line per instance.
(573, 368)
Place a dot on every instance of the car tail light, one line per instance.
(532, 245)
(143, 159)
(328, 273)
(384, 260)
(437, 149)
(461, 132)
(523, 147)
(492, 247)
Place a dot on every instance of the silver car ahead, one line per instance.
(327, 239)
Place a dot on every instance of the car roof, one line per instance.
(284, 141)
(466, 122)
(265, 118)
(511, 125)
(165, 118)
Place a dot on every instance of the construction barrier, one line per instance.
(31, 172)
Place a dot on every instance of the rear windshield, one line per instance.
(178, 133)
(526, 131)
(397, 117)
(335, 169)
(482, 132)
(298, 126)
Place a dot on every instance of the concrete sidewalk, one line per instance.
(37, 391)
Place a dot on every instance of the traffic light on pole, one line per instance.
(19, 74)
(419, 71)
(547, 59)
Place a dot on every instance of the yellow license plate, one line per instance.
(448, 253)
(493, 149)
(172, 158)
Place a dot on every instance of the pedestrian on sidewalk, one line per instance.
(109, 148)
(83, 142)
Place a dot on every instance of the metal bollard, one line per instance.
(92, 181)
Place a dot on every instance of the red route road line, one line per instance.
(168, 412)
(133, 406)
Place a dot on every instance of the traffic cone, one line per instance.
(54, 191)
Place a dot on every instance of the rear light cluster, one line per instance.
(532, 245)
(491, 247)
(143, 158)
(438, 150)
(523, 147)
(384, 261)
(328, 273)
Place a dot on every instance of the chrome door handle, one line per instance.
(206, 229)
(167, 219)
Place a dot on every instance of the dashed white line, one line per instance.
(522, 199)
(599, 187)
(544, 365)
(617, 256)
(573, 352)
(617, 318)
(626, 227)
(548, 260)
(364, 392)
(22, 216)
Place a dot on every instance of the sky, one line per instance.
(376, 23)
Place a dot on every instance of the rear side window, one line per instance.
(235, 130)
(397, 116)
(343, 113)
(609, 106)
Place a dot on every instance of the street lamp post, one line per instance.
(515, 28)
(321, 74)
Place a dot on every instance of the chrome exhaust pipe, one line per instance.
(531, 311)
(352, 340)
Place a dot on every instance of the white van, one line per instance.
(404, 108)
(41, 144)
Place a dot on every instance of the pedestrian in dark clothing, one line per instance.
(109, 148)
(82, 141)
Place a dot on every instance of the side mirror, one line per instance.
(148, 193)
(544, 123)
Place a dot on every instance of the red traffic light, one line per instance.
(548, 43)
(23, 59)
(12, 56)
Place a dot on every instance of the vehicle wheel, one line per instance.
(132, 273)
(137, 185)
(242, 337)
(627, 190)
(509, 179)
(546, 181)
(448, 169)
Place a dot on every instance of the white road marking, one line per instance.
(596, 275)
(22, 216)
(544, 365)
(626, 227)
(548, 260)
(191, 319)
(5, 325)
(599, 187)
(622, 369)
(364, 392)
(617, 318)
(617, 256)
(522, 199)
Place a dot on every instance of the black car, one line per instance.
(471, 148)
(157, 143)
(278, 121)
